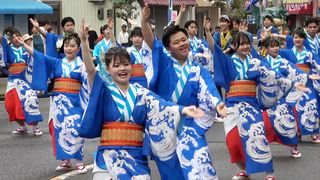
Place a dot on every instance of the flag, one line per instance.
(252, 3)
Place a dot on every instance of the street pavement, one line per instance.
(31, 158)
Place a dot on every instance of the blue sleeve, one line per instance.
(93, 118)
(42, 68)
(289, 42)
(155, 63)
(51, 40)
(274, 30)
(224, 68)
(216, 38)
(288, 55)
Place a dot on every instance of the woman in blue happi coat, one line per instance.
(119, 112)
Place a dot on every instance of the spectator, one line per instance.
(123, 37)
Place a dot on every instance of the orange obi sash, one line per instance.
(303, 67)
(67, 85)
(242, 88)
(17, 68)
(121, 134)
(137, 70)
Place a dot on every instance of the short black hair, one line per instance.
(67, 19)
(104, 27)
(300, 32)
(44, 22)
(136, 32)
(169, 31)
(236, 20)
(268, 17)
(114, 52)
(68, 38)
(311, 20)
(188, 23)
(271, 41)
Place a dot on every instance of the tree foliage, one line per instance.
(127, 9)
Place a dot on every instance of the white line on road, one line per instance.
(71, 173)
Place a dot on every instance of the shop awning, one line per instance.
(24, 7)
(299, 8)
(175, 2)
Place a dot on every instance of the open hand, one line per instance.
(83, 30)
(182, 8)
(34, 22)
(193, 111)
(301, 87)
(314, 77)
(206, 24)
(145, 13)
(222, 109)
(110, 23)
(19, 39)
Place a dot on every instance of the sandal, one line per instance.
(64, 166)
(37, 132)
(241, 176)
(20, 130)
(270, 178)
(81, 169)
(315, 139)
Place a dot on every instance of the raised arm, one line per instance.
(207, 25)
(145, 27)
(181, 11)
(110, 25)
(35, 23)
(29, 49)
(86, 55)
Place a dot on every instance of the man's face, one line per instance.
(312, 29)
(68, 27)
(124, 28)
(179, 45)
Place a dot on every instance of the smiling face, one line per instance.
(224, 24)
(242, 45)
(120, 70)
(71, 48)
(179, 46)
(273, 49)
(298, 41)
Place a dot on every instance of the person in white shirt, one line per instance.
(123, 37)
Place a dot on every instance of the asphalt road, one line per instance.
(31, 158)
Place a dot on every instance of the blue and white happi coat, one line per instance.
(148, 58)
(308, 105)
(99, 52)
(138, 106)
(281, 115)
(21, 83)
(202, 54)
(188, 84)
(245, 112)
(66, 108)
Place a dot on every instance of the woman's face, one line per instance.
(224, 24)
(244, 48)
(273, 50)
(71, 49)
(298, 41)
(120, 70)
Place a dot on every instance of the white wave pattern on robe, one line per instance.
(28, 96)
(309, 116)
(68, 137)
(284, 123)
(204, 170)
(163, 123)
(183, 144)
(257, 145)
(116, 161)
